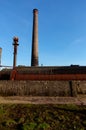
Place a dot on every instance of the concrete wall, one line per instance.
(80, 86)
(42, 88)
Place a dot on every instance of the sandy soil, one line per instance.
(43, 100)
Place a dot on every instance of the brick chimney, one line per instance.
(34, 56)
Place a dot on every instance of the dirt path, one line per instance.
(43, 100)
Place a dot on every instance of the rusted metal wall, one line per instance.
(17, 76)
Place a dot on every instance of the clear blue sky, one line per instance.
(62, 31)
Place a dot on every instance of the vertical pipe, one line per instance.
(15, 44)
(34, 56)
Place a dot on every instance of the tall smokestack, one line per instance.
(34, 57)
(15, 44)
(0, 55)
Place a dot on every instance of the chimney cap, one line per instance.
(15, 39)
(35, 10)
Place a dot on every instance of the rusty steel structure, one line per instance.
(58, 77)
(49, 73)
(15, 44)
(34, 55)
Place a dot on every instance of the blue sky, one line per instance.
(62, 31)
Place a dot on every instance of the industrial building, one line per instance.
(62, 79)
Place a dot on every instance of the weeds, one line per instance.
(42, 117)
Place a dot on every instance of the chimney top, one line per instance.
(35, 10)
(15, 39)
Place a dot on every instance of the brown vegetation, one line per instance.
(42, 117)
